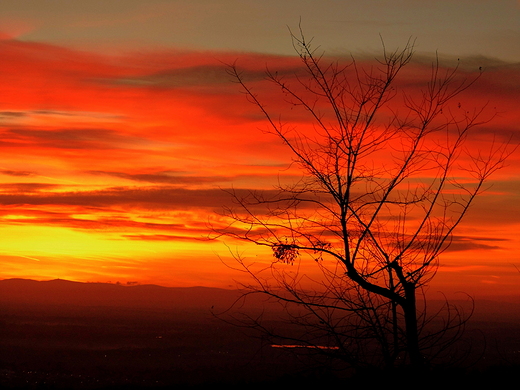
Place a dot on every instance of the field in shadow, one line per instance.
(67, 335)
(60, 334)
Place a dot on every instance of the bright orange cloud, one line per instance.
(112, 166)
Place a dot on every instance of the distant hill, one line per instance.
(64, 292)
(59, 292)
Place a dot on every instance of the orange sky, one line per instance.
(113, 163)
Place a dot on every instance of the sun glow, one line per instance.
(113, 166)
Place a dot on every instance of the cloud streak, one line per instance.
(142, 147)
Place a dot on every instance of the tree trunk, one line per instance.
(412, 331)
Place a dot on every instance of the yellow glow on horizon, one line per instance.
(112, 168)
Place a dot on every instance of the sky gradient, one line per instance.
(120, 128)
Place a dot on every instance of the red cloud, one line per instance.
(113, 137)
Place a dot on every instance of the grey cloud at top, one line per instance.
(176, 78)
(199, 76)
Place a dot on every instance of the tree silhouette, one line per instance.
(386, 178)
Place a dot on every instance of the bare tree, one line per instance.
(386, 179)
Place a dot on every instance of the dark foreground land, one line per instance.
(67, 335)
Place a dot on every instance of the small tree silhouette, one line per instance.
(386, 179)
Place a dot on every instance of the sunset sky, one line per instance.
(120, 127)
